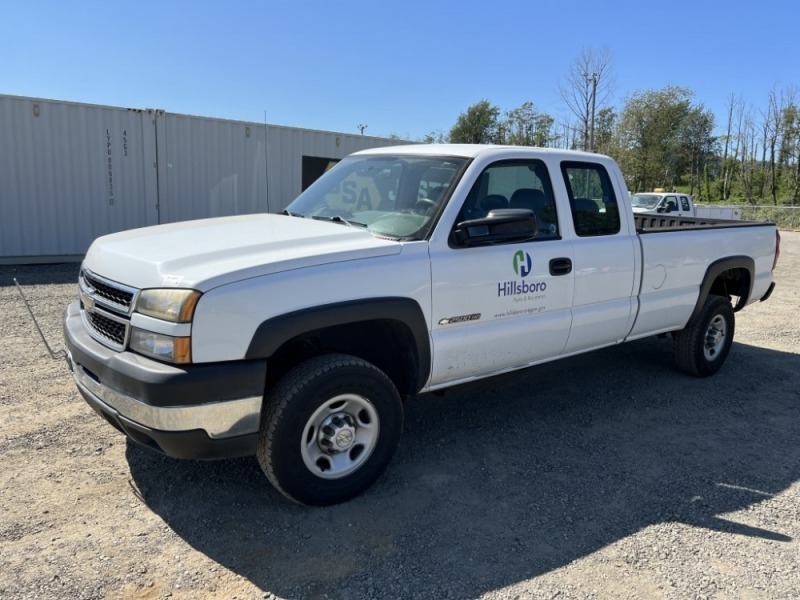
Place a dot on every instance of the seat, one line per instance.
(434, 193)
(586, 216)
(529, 198)
(586, 205)
(534, 199)
(493, 201)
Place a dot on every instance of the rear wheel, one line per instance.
(329, 429)
(703, 345)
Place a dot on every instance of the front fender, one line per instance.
(276, 331)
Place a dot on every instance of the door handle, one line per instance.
(560, 266)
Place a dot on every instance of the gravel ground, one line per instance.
(629, 480)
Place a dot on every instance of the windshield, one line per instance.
(644, 201)
(395, 196)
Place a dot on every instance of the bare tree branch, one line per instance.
(588, 87)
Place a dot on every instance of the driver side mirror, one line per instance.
(500, 226)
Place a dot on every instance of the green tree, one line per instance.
(650, 136)
(519, 124)
(789, 156)
(525, 126)
(750, 175)
(728, 161)
(698, 145)
(605, 131)
(477, 125)
(435, 137)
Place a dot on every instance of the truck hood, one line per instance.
(210, 252)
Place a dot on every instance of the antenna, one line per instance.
(53, 354)
(266, 161)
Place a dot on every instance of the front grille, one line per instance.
(109, 329)
(112, 294)
(106, 307)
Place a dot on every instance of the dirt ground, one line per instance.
(609, 475)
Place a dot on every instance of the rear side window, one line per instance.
(685, 203)
(591, 197)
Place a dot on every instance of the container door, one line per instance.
(71, 173)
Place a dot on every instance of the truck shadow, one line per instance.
(506, 479)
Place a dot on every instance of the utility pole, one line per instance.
(594, 102)
(362, 128)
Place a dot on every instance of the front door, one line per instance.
(503, 306)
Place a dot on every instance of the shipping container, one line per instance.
(70, 172)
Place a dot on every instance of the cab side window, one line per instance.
(514, 184)
(595, 210)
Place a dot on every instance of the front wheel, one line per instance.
(702, 346)
(329, 429)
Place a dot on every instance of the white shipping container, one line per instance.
(732, 213)
(71, 172)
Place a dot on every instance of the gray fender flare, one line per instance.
(274, 332)
(718, 267)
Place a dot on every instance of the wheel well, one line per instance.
(733, 282)
(386, 343)
(727, 277)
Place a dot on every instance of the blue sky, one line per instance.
(404, 68)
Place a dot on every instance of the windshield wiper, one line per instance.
(288, 214)
(340, 219)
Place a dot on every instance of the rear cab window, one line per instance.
(593, 203)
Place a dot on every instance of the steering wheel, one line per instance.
(424, 205)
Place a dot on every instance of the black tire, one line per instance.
(703, 345)
(325, 402)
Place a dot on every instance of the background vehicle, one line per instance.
(663, 202)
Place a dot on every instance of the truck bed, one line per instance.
(655, 223)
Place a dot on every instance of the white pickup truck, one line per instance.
(676, 204)
(672, 203)
(297, 337)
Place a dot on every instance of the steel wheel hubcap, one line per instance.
(337, 432)
(715, 337)
(340, 436)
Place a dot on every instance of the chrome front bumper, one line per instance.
(218, 419)
(202, 411)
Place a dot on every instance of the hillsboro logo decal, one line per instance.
(523, 265)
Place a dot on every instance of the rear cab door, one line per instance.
(606, 252)
(676, 205)
(686, 205)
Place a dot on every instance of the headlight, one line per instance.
(168, 304)
(160, 346)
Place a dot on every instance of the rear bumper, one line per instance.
(204, 411)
